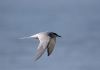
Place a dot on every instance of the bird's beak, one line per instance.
(58, 36)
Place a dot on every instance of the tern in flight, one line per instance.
(47, 42)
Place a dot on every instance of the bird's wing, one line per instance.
(41, 48)
(51, 45)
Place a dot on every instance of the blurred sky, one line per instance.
(77, 21)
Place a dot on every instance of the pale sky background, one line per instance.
(77, 21)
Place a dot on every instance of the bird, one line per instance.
(47, 41)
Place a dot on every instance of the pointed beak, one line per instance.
(58, 36)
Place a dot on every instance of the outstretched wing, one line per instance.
(41, 49)
(51, 45)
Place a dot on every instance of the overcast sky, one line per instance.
(77, 21)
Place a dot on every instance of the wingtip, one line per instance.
(35, 58)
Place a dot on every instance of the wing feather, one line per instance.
(41, 49)
(51, 45)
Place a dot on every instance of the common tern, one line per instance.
(47, 41)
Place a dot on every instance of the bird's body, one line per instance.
(47, 41)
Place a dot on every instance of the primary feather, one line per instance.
(51, 45)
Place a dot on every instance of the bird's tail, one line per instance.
(33, 36)
(26, 37)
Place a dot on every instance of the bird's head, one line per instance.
(52, 34)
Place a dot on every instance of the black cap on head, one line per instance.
(52, 34)
(56, 34)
